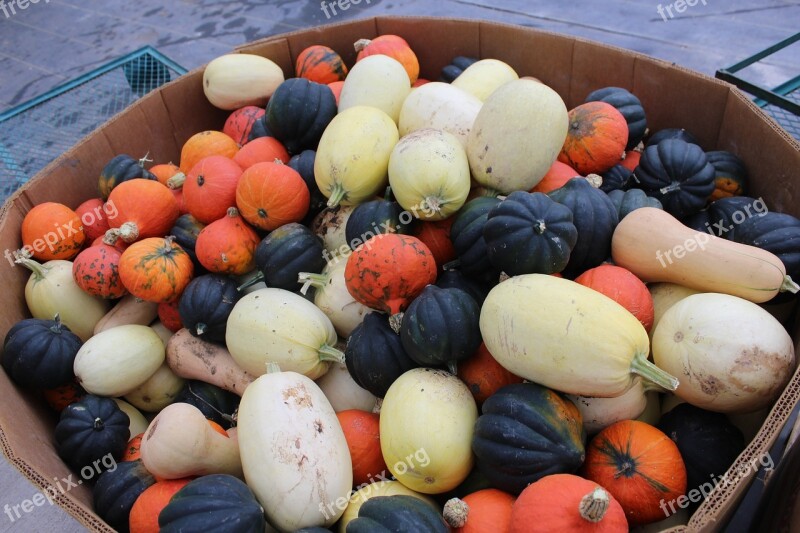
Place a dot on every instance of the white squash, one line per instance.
(665, 295)
(378, 488)
(51, 290)
(232, 81)
(376, 81)
(429, 174)
(517, 136)
(330, 226)
(333, 298)
(426, 427)
(294, 454)
(484, 77)
(440, 106)
(353, 155)
(138, 423)
(158, 391)
(729, 354)
(599, 413)
(343, 392)
(277, 326)
(116, 361)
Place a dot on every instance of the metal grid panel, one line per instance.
(35, 133)
(788, 120)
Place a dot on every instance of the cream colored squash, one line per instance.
(118, 360)
(484, 77)
(353, 155)
(517, 136)
(138, 423)
(599, 413)
(232, 81)
(157, 392)
(163, 332)
(440, 106)
(429, 174)
(426, 426)
(376, 81)
(128, 310)
(330, 226)
(378, 488)
(343, 392)
(665, 295)
(729, 354)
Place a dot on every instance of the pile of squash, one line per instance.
(374, 302)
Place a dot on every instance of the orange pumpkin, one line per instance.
(155, 269)
(227, 245)
(240, 123)
(143, 517)
(362, 433)
(52, 231)
(420, 82)
(596, 138)
(133, 451)
(263, 149)
(145, 209)
(96, 269)
(631, 160)
(336, 89)
(393, 46)
(169, 316)
(388, 271)
(436, 236)
(210, 188)
(320, 64)
(639, 465)
(622, 286)
(270, 195)
(558, 175)
(204, 144)
(484, 510)
(484, 375)
(93, 218)
(164, 172)
(566, 502)
(60, 397)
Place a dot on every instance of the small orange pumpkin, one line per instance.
(320, 64)
(558, 176)
(210, 188)
(145, 209)
(631, 160)
(336, 89)
(227, 245)
(263, 149)
(204, 144)
(393, 46)
(52, 231)
(484, 510)
(164, 172)
(93, 218)
(143, 517)
(270, 195)
(622, 286)
(169, 316)
(639, 465)
(436, 236)
(240, 123)
(133, 451)
(362, 433)
(155, 269)
(596, 138)
(484, 375)
(64, 395)
(96, 269)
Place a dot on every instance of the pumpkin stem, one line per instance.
(452, 265)
(57, 327)
(595, 180)
(309, 279)
(232, 212)
(455, 512)
(789, 285)
(273, 368)
(594, 505)
(111, 237)
(491, 193)
(672, 187)
(145, 159)
(129, 231)
(432, 203)
(360, 44)
(98, 424)
(452, 367)
(200, 328)
(176, 181)
(330, 354)
(337, 195)
(650, 372)
(503, 277)
(249, 283)
(395, 321)
(23, 257)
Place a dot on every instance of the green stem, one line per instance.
(789, 285)
(309, 279)
(176, 181)
(650, 372)
(247, 284)
(273, 368)
(337, 195)
(330, 354)
(200, 328)
(452, 366)
(39, 270)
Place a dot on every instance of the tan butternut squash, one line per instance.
(128, 310)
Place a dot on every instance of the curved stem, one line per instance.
(309, 279)
(330, 354)
(789, 285)
(388, 196)
(452, 366)
(39, 270)
(247, 284)
(452, 265)
(650, 372)
(337, 195)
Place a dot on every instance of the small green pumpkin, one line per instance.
(117, 490)
(298, 112)
(627, 201)
(468, 240)
(39, 354)
(121, 168)
(205, 305)
(397, 514)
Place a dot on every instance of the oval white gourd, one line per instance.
(232, 81)
(568, 337)
(277, 326)
(729, 354)
(138, 423)
(353, 155)
(429, 174)
(343, 392)
(158, 391)
(441, 106)
(516, 136)
(378, 488)
(116, 361)
(665, 295)
(376, 81)
(599, 413)
(484, 77)
(426, 427)
(330, 226)
(294, 454)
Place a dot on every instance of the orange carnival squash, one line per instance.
(388, 271)
(93, 218)
(210, 188)
(96, 269)
(169, 316)
(622, 286)
(227, 245)
(596, 138)
(362, 433)
(52, 231)
(155, 269)
(484, 375)
(240, 123)
(133, 450)
(436, 236)
(263, 149)
(484, 510)
(270, 195)
(393, 46)
(145, 209)
(640, 466)
(164, 172)
(143, 517)
(60, 397)
(320, 64)
(631, 160)
(558, 176)
(566, 502)
(336, 88)
(204, 144)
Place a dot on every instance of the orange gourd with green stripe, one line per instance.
(320, 64)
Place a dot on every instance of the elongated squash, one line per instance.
(599, 413)
(377, 81)
(294, 453)
(568, 337)
(232, 81)
(128, 310)
(665, 295)
(440, 106)
(484, 77)
(698, 260)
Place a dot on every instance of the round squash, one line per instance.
(227, 245)
(52, 231)
(439, 106)
(731, 174)
(155, 270)
(261, 150)
(145, 209)
(400, 513)
(375, 217)
(210, 188)
(96, 269)
(206, 304)
(240, 123)
(377, 81)
(629, 106)
(205, 144)
(483, 374)
(483, 77)
(628, 201)
(270, 195)
(40, 353)
(299, 112)
(232, 81)
(381, 487)
(467, 234)
(116, 491)
(320, 64)
(121, 168)
(558, 175)
(455, 68)
(596, 138)
(624, 288)
(392, 46)
(483, 510)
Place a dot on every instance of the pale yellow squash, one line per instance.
(665, 295)
(484, 77)
(440, 106)
(157, 392)
(376, 81)
(232, 81)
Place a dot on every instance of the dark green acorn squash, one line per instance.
(375, 217)
(284, 253)
(441, 327)
(731, 174)
(722, 217)
(630, 200)
(455, 279)
(397, 514)
(303, 163)
(778, 233)
(671, 133)
(90, 429)
(205, 305)
(216, 502)
(527, 432)
(629, 105)
(121, 168)
(313, 530)
(595, 218)
(456, 67)
(259, 129)
(616, 178)
(298, 112)
(375, 356)
(466, 233)
(117, 490)
(678, 174)
(185, 231)
(39, 354)
(215, 403)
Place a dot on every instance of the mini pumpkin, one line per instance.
(145, 209)
(210, 188)
(96, 269)
(227, 245)
(239, 124)
(205, 144)
(52, 231)
(596, 138)
(270, 195)
(393, 46)
(155, 269)
(320, 64)
(121, 168)
(263, 149)
(40, 353)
